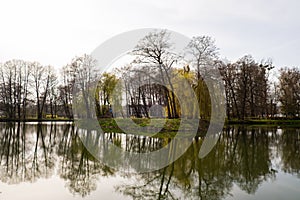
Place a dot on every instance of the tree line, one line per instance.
(250, 90)
(32, 90)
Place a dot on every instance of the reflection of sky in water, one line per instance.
(54, 188)
(285, 186)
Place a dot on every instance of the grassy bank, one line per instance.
(153, 127)
(171, 126)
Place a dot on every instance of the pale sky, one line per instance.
(53, 32)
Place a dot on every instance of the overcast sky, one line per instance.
(53, 32)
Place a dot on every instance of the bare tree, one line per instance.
(14, 88)
(52, 93)
(65, 90)
(290, 91)
(247, 87)
(85, 73)
(201, 52)
(43, 78)
(155, 51)
(229, 73)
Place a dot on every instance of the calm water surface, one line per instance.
(49, 161)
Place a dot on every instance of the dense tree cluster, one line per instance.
(289, 83)
(26, 89)
(247, 88)
(31, 90)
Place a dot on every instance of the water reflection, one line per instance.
(245, 157)
(77, 166)
(241, 156)
(290, 151)
(27, 152)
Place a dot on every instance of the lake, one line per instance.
(49, 161)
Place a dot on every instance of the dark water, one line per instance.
(49, 161)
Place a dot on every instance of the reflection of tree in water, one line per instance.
(78, 167)
(187, 178)
(241, 156)
(250, 163)
(290, 151)
(154, 185)
(26, 152)
(29, 152)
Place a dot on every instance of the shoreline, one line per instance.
(176, 122)
(264, 122)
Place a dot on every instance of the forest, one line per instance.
(30, 90)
